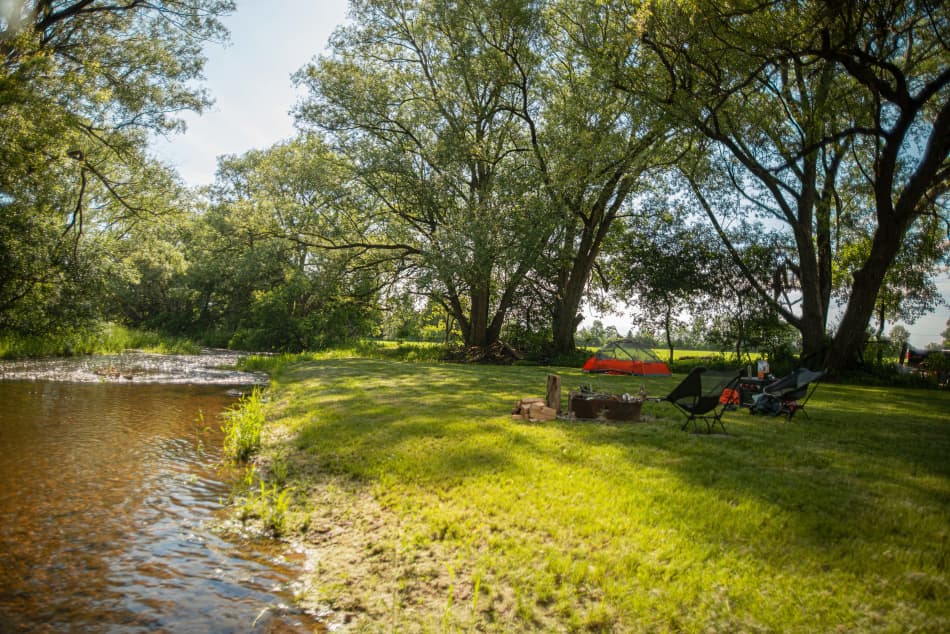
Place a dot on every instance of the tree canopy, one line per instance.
(830, 123)
(492, 162)
(82, 85)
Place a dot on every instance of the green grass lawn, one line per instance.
(424, 507)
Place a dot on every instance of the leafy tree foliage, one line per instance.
(814, 118)
(484, 160)
(899, 335)
(664, 270)
(594, 147)
(489, 146)
(422, 100)
(255, 272)
(82, 84)
(909, 290)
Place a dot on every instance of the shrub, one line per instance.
(712, 362)
(96, 338)
(242, 426)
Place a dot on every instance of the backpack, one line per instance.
(766, 404)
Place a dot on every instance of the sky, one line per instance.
(249, 78)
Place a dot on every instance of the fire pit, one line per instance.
(589, 405)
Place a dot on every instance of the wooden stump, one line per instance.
(553, 397)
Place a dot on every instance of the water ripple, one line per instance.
(107, 495)
(211, 367)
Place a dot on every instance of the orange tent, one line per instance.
(626, 357)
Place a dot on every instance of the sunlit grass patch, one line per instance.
(427, 496)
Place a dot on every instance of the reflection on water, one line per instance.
(211, 367)
(105, 493)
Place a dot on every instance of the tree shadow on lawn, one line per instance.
(773, 489)
(835, 483)
(366, 417)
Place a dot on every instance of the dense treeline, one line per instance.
(487, 169)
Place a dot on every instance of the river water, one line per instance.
(110, 481)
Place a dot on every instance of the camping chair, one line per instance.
(789, 394)
(700, 396)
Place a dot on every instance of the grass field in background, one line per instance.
(425, 507)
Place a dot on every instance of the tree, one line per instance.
(898, 57)
(900, 336)
(423, 101)
(237, 268)
(663, 266)
(814, 118)
(593, 147)
(82, 84)
(909, 290)
(258, 277)
(899, 341)
(946, 336)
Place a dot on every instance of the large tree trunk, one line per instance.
(477, 332)
(567, 308)
(573, 280)
(564, 330)
(480, 327)
(814, 338)
(848, 343)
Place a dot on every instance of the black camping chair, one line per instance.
(793, 391)
(700, 396)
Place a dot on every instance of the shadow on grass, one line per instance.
(866, 473)
(867, 467)
(420, 423)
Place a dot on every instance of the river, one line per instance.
(110, 483)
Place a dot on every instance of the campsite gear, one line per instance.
(762, 368)
(751, 386)
(626, 357)
(700, 396)
(730, 397)
(765, 405)
(788, 395)
(597, 405)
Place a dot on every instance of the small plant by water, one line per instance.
(200, 430)
(242, 426)
(269, 503)
(275, 502)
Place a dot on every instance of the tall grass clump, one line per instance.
(66, 343)
(242, 426)
(116, 338)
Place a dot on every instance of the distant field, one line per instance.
(425, 507)
(663, 353)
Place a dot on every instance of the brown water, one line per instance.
(107, 493)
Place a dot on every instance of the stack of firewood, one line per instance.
(533, 409)
(540, 409)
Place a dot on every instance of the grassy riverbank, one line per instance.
(425, 507)
(96, 339)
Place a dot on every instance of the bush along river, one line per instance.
(111, 481)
